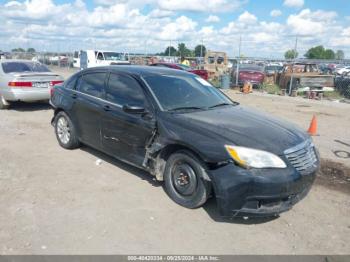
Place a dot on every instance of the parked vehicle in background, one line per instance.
(305, 77)
(342, 84)
(187, 133)
(216, 63)
(76, 59)
(249, 73)
(326, 69)
(201, 72)
(24, 80)
(272, 69)
(342, 70)
(93, 58)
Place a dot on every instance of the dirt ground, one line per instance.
(55, 201)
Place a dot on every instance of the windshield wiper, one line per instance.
(186, 107)
(221, 104)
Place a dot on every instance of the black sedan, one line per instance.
(188, 134)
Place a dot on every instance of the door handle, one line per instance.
(74, 95)
(111, 138)
(106, 108)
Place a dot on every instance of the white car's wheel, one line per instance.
(3, 103)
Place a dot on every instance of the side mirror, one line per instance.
(133, 109)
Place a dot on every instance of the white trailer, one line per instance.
(93, 58)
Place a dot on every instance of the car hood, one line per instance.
(241, 126)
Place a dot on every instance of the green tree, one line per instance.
(172, 51)
(182, 50)
(329, 54)
(31, 50)
(291, 54)
(18, 50)
(316, 52)
(200, 50)
(339, 54)
(319, 52)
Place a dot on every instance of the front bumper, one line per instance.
(259, 192)
(253, 82)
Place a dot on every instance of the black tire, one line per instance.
(70, 142)
(3, 103)
(184, 180)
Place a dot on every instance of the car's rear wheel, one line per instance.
(65, 131)
(3, 103)
(184, 180)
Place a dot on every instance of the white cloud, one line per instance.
(247, 18)
(294, 3)
(181, 28)
(124, 25)
(344, 39)
(206, 31)
(275, 13)
(310, 23)
(200, 5)
(104, 16)
(12, 3)
(35, 9)
(158, 13)
(212, 19)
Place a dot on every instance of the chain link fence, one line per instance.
(47, 58)
(66, 60)
(342, 85)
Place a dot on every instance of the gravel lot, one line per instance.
(55, 201)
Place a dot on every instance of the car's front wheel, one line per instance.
(65, 131)
(185, 182)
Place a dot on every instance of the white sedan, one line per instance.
(24, 80)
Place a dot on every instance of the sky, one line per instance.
(266, 28)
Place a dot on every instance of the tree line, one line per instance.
(20, 49)
(182, 50)
(317, 52)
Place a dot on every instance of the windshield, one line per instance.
(185, 92)
(21, 67)
(114, 56)
(275, 68)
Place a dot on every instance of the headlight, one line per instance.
(248, 157)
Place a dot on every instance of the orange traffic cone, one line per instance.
(313, 127)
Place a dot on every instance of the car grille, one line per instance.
(302, 156)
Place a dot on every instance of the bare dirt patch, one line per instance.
(334, 175)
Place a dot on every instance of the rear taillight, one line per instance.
(53, 83)
(52, 91)
(20, 84)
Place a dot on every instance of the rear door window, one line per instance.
(71, 82)
(92, 84)
(124, 90)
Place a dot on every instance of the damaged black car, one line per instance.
(190, 135)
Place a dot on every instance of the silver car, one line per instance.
(24, 80)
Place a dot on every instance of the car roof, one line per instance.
(139, 70)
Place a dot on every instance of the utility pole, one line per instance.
(201, 60)
(239, 58)
(169, 49)
(295, 56)
(202, 48)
